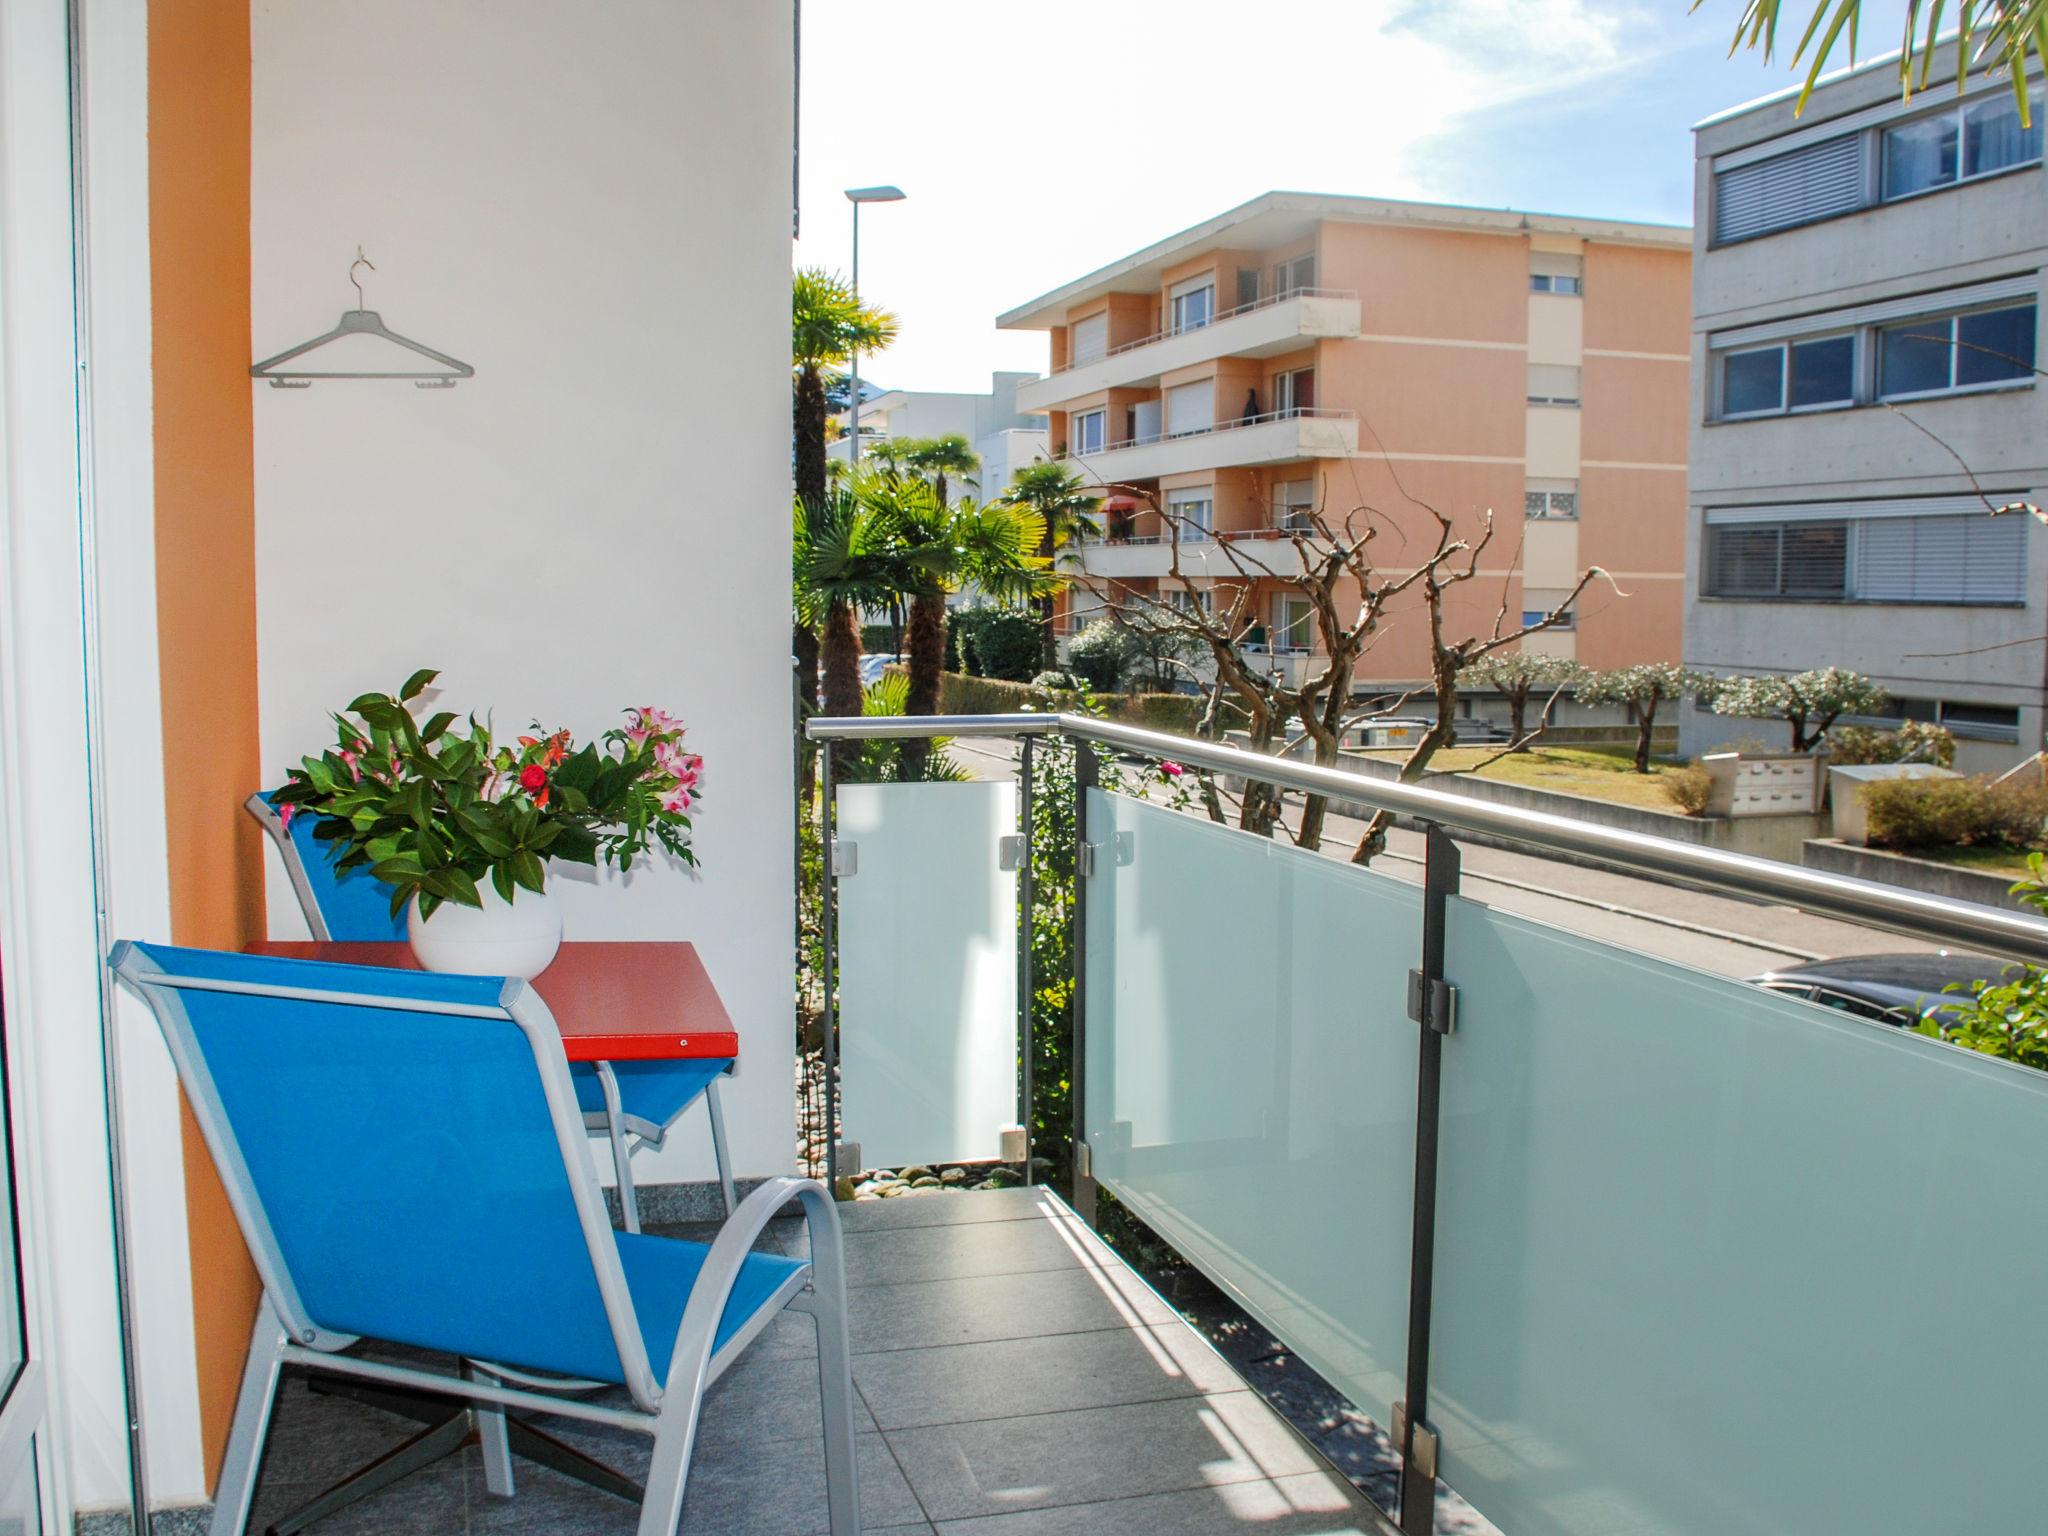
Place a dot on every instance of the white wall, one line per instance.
(591, 205)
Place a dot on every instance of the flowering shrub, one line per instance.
(1914, 741)
(433, 811)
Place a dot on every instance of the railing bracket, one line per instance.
(1432, 1002)
(845, 858)
(1010, 852)
(1084, 1160)
(1418, 1445)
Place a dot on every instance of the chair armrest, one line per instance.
(691, 1363)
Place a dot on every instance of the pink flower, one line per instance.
(285, 813)
(677, 802)
(649, 721)
(684, 767)
(1172, 770)
(354, 773)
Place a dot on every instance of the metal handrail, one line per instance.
(1291, 413)
(2010, 934)
(1215, 319)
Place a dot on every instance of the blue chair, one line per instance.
(628, 1103)
(407, 1161)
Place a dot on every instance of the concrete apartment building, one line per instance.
(1348, 353)
(1866, 286)
(1003, 438)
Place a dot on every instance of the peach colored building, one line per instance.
(1352, 353)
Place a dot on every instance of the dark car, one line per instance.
(1895, 989)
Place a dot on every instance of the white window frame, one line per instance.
(1952, 318)
(1179, 296)
(1784, 349)
(1074, 357)
(1956, 111)
(1289, 514)
(1286, 389)
(1567, 620)
(1563, 284)
(1284, 627)
(1855, 516)
(1550, 499)
(1188, 526)
(1572, 401)
(1287, 274)
(1078, 431)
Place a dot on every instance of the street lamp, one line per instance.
(857, 196)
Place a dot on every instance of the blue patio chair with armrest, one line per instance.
(626, 1102)
(407, 1162)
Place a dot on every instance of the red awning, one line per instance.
(1121, 503)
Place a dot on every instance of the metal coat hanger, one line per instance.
(361, 322)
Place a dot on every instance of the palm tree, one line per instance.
(937, 457)
(935, 550)
(1055, 495)
(1995, 35)
(828, 324)
(844, 558)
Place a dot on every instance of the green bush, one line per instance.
(1689, 788)
(996, 642)
(1931, 813)
(1179, 713)
(1101, 653)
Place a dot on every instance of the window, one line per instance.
(1778, 560)
(1085, 431)
(1191, 513)
(1801, 186)
(1297, 273)
(1567, 619)
(1951, 352)
(1549, 504)
(1799, 375)
(1247, 286)
(1199, 601)
(1295, 391)
(1978, 138)
(1294, 503)
(1090, 339)
(1947, 551)
(1551, 384)
(1981, 722)
(1555, 282)
(1293, 624)
(1191, 408)
(1194, 304)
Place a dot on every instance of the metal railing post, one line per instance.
(828, 898)
(1433, 1005)
(1025, 926)
(1085, 779)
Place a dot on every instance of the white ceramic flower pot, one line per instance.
(500, 938)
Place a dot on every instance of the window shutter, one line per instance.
(1191, 408)
(1806, 185)
(1971, 558)
(1091, 340)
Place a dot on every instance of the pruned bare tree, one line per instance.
(1332, 563)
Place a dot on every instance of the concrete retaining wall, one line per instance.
(1923, 875)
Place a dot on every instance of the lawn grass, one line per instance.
(1599, 773)
(2008, 862)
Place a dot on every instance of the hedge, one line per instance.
(1178, 713)
(1929, 813)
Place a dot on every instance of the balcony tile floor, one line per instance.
(1013, 1378)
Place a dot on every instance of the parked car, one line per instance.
(873, 664)
(1894, 989)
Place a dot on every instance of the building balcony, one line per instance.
(1283, 323)
(1292, 1071)
(1249, 553)
(1277, 437)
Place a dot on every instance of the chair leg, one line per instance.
(622, 1155)
(661, 1509)
(719, 1154)
(835, 1385)
(490, 1434)
(244, 1460)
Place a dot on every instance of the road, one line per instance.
(1724, 934)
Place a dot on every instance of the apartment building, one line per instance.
(1374, 359)
(1866, 287)
(1003, 438)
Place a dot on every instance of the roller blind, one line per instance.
(1808, 184)
(1191, 408)
(1091, 339)
(1970, 559)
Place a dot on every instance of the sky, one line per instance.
(1039, 142)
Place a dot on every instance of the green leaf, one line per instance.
(434, 727)
(417, 683)
(573, 844)
(528, 871)
(501, 880)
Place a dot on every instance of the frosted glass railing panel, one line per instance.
(1713, 1261)
(928, 972)
(1250, 1087)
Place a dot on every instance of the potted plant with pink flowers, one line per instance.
(463, 827)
